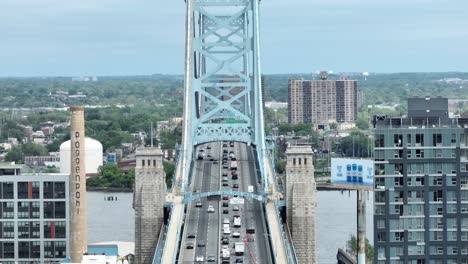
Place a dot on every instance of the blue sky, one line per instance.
(135, 37)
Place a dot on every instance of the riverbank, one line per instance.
(109, 189)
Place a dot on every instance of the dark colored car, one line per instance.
(191, 235)
(189, 246)
(225, 204)
(225, 211)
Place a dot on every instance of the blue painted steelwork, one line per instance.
(189, 197)
(223, 98)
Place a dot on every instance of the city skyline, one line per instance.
(54, 38)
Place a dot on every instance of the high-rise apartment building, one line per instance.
(323, 101)
(421, 186)
(34, 216)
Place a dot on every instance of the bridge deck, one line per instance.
(273, 221)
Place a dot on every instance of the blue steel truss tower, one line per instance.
(223, 98)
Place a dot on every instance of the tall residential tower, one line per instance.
(421, 186)
(322, 101)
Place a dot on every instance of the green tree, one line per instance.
(356, 144)
(362, 121)
(15, 154)
(11, 129)
(31, 149)
(169, 169)
(352, 245)
(110, 175)
(280, 166)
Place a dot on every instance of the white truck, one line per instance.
(237, 221)
(226, 254)
(239, 248)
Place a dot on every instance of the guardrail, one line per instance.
(178, 231)
(287, 244)
(158, 253)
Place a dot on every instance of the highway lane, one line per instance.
(191, 221)
(256, 251)
(208, 227)
(254, 217)
(202, 224)
(212, 235)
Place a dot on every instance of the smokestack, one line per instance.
(78, 225)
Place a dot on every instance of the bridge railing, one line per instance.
(287, 244)
(160, 245)
(158, 253)
(188, 197)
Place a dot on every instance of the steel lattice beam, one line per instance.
(223, 98)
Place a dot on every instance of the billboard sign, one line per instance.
(111, 158)
(356, 173)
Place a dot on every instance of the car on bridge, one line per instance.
(199, 258)
(210, 259)
(189, 246)
(235, 234)
(239, 260)
(201, 244)
(191, 235)
(211, 209)
(199, 204)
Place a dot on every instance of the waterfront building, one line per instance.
(421, 186)
(93, 156)
(322, 102)
(34, 216)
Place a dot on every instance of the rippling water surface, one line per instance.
(335, 220)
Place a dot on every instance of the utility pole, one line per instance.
(151, 134)
(361, 226)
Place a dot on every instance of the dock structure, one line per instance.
(344, 257)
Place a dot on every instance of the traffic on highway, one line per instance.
(228, 228)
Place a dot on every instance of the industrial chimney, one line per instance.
(78, 225)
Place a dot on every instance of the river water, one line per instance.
(335, 220)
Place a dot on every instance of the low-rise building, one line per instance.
(34, 221)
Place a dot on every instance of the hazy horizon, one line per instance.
(142, 37)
